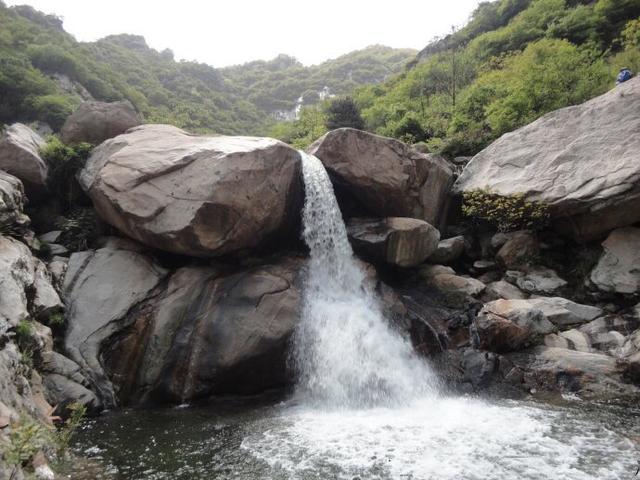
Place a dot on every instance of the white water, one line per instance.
(390, 421)
(346, 352)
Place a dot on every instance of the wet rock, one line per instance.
(198, 196)
(618, 269)
(449, 250)
(387, 177)
(581, 161)
(20, 157)
(536, 279)
(403, 242)
(519, 249)
(94, 122)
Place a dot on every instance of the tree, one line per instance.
(343, 112)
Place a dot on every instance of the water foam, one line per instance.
(346, 352)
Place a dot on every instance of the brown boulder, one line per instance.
(95, 122)
(192, 195)
(387, 177)
(404, 242)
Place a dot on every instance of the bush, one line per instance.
(65, 161)
(52, 109)
(506, 213)
(27, 437)
(343, 112)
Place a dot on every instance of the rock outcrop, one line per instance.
(23, 276)
(199, 196)
(399, 241)
(94, 122)
(19, 156)
(581, 161)
(618, 270)
(386, 177)
(11, 203)
(144, 334)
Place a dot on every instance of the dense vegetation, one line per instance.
(38, 58)
(514, 61)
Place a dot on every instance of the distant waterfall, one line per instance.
(345, 351)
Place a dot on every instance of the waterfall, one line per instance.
(346, 353)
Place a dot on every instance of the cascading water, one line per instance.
(346, 352)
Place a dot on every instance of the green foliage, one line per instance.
(343, 112)
(513, 62)
(57, 320)
(65, 161)
(300, 133)
(64, 434)
(51, 109)
(26, 438)
(506, 213)
(80, 228)
(24, 331)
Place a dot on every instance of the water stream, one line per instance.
(366, 407)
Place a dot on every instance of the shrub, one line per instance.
(57, 319)
(63, 435)
(343, 112)
(506, 213)
(27, 437)
(52, 109)
(65, 162)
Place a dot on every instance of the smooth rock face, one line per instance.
(11, 202)
(94, 122)
(389, 178)
(449, 250)
(19, 156)
(100, 288)
(403, 242)
(198, 196)
(582, 161)
(618, 269)
(143, 334)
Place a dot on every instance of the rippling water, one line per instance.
(455, 438)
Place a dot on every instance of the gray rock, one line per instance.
(618, 269)
(94, 122)
(536, 279)
(403, 242)
(389, 178)
(449, 250)
(51, 237)
(20, 274)
(12, 201)
(100, 288)
(20, 157)
(581, 161)
(64, 383)
(198, 196)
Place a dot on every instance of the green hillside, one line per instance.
(514, 61)
(45, 73)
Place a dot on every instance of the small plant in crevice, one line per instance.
(24, 332)
(64, 433)
(504, 212)
(56, 320)
(64, 162)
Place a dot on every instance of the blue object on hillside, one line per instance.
(624, 75)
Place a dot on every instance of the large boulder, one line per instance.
(386, 177)
(11, 203)
(193, 195)
(581, 161)
(403, 242)
(449, 250)
(19, 156)
(618, 269)
(94, 122)
(143, 334)
(520, 248)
